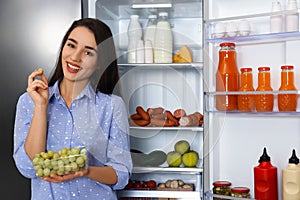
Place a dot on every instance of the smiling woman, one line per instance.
(76, 109)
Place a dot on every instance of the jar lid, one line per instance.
(230, 44)
(240, 189)
(287, 67)
(246, 69)
(163, 14)
(264, 69)
(222, 183)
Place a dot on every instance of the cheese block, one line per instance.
(183, 55)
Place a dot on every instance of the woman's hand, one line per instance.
(38, 88)
(57, 179)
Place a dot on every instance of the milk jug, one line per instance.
(291, 179)
(134, 33)
(163, 44)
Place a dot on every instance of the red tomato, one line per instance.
(137, 185)
(145, 184)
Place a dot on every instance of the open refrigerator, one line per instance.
(229, 143)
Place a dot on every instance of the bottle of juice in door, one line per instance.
(246, 102)
(264, 102)
(287, 102)
(265, 179)
(291, 179)
(227, 77)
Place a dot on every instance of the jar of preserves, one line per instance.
(221, 188)
(242, 192)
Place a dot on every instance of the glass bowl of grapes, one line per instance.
(65, 161)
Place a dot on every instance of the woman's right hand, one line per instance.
(38, 88)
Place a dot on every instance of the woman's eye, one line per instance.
(70, 45)
(89, 53)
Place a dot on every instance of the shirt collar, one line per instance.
(87, 91)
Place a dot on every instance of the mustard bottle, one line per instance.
(291, 179)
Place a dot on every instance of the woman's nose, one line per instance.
(76, 56)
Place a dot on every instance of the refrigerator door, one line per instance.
(31, 32)
(236, 139)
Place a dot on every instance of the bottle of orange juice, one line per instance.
(287, 102)
(227, 77)
(264, 102)
(246, 102)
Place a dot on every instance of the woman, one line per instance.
(69, 112)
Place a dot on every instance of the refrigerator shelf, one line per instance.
(167, 128)
(197, 65)
(161, 194)
(267, 37)
(210, 196)
(193, 170)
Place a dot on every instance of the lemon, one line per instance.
(174, 159)
(190, 159)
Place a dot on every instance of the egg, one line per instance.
(232, 29)
(219, 29)
(244, 28)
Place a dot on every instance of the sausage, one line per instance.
(171, 117)
(139, 122)
(179, 113)
(155, 111)
(158, 116)
(161, 122)
(143, 113)
(194, 119)
(135, 116)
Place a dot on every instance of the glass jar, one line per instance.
(242, 192)
(221, 188)
(246, 102)
(227, 77)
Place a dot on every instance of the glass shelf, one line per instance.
(210, 102)
(151, 66)
(188, 170)
(166, 128)
(210, 196)
(163, 194)
(283, 36)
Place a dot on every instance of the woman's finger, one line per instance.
(34, 74)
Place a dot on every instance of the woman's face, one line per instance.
(79, 55)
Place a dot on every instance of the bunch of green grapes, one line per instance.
(65, 161)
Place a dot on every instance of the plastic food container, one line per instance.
(63, 162)
(222, 188)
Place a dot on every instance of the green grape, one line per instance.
(35, 161)
(40, 172)
(37, 155)
(50, 154)
(65, 160)
(37, 167)
(44, 155)
(74, 167)
(60, 163)
(84, 157)
(80, 160)
(75, 151)
(68, 168)
(60, 173)
(83, 151)
(56, 155)
(54, 162)
(64, 152)
(46, 172)
(72, 158)
(41, 161)
(61, 169)
(53, 171)
(47, 162)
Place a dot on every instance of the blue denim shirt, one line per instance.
(94, 120)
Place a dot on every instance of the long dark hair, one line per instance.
(107, 68)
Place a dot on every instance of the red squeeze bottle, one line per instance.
(265, 179)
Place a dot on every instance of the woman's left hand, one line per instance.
(57, 178)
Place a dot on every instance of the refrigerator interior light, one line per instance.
(151, 5)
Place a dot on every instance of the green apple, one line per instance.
(174, 159)
(182, 147)
(190, 159)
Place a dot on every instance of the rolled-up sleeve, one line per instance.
(118, 152)
(22, 123)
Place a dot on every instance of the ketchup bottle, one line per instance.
(265, 179)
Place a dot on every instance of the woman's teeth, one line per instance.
(73, 67)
